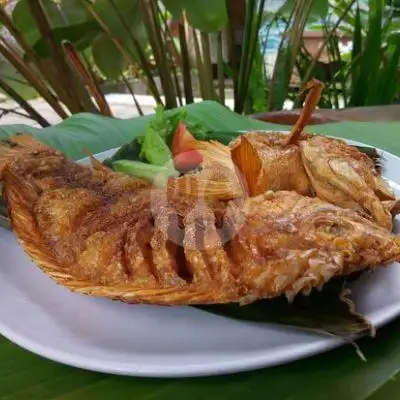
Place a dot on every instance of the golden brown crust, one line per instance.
(145, 245)
(281, 164)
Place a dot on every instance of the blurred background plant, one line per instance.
(255, 53)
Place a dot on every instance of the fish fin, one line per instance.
(22, 194)
(249, 165)
(315, 88)
(393, 206)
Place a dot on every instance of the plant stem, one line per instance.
(207, 67)
(239, 101)
(31, 56)
(220, 64)
(24, 104)
(332, 85)
(187, 79)
(172, 53)
(95, 79)
(254, 44)
(5, 111)
(310, 69)
(153, 29)
(148, 81)
(338, 57)
(35, 82)
(88, 79)
(233, 53)
(128, 86)
(288, 53)
(199, 62)
(277, 71)
(79, 99)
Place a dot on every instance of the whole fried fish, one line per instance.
(106, 234)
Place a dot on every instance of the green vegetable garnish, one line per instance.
(154, 148)
(130, 151)
(154, 173)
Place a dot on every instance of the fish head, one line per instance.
(361, 242)
(304, 223)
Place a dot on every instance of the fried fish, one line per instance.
(314, 165)
(106, 234)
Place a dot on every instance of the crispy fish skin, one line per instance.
(143, 245)
(326, 167)
(342, 175)
(282, 166)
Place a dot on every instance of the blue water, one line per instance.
(270, 41)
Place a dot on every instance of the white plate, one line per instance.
(113, 337)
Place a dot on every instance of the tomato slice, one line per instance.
(187, 160)
(182, 140)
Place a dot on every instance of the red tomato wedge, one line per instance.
(182, 140)
(187, 160)
(183, 148)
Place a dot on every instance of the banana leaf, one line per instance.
(330, 312)
(339, 373)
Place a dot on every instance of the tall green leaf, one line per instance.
(356, 78)
(387, 87)
(372, 55)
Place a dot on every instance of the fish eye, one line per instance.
(330, 227)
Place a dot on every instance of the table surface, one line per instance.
(322, 116)
(338, 374)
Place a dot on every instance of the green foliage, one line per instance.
(120, 43)
(319, 8)
(81, 35)
(16, 81)
(207, 16)
(62, 14)
(124, 24)
(375, 62)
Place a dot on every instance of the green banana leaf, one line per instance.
(338, 374)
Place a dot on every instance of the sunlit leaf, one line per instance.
(61, 14)
(319, 9)
(80, 35)
(16, 81)
(207, 16)
(105, 53)
(279, 86)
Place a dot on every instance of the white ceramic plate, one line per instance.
(112, 337)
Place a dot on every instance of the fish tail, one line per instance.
(22, 195)
(17, 146)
